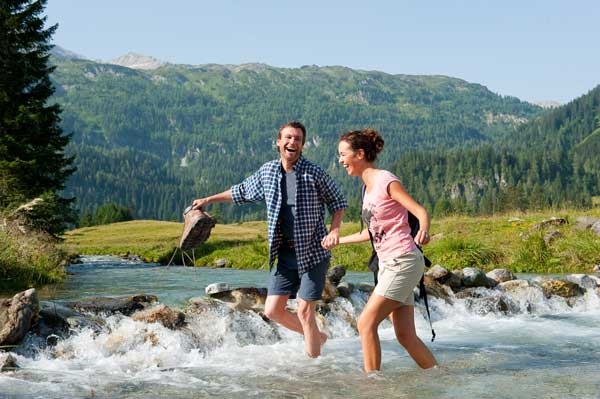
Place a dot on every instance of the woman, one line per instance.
(401, 263)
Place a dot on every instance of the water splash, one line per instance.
(530, 346)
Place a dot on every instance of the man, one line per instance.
(295, 192)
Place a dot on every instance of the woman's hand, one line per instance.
(422, 237)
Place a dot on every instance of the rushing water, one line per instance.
(551, 351)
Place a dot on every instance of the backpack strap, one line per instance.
(423, 294)
(374, 257)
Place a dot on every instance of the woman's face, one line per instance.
(349, 158)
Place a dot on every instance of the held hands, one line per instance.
(331, 240)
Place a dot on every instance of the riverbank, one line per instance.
(30, 260)
(542, 242)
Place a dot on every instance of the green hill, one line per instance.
(153, 140)
(549, 162)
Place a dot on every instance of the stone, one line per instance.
(553, 221)
(162, 314)
(596, 228)
(551, 236)
(345, 289)
(199, 305)
(583, 280)
(335, 274)
(500, 275)
(485, 305)
(215, 288)
(329, 292)
(562, 288)
(473, 277)
(438, 273)
(512, 285)
(248, 298)
(585, 222)
(17, 315)
(125, 305)
(365, 287)
(197, 226)
(8, 362)
(437, 290)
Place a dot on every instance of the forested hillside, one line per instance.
(550, 162)
(153, 140)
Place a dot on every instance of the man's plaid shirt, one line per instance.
(314, 190)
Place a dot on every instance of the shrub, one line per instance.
(30, 260)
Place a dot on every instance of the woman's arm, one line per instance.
(355, 238)
(349, 239)
(399, 194)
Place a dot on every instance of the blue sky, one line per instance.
(530, 49)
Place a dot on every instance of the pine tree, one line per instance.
(32, 158)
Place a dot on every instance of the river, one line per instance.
(551, 350)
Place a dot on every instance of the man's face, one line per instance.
(290, 144)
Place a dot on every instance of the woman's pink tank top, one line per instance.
(386, 219)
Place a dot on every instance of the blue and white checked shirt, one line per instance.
(314, 190)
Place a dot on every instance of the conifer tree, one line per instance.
(33, 162)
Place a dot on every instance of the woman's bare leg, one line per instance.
(403, 319)
(375, 311)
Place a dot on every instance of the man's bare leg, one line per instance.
(304, 322)
(275, 309)
(313, 338)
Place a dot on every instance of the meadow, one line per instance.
(522, 242)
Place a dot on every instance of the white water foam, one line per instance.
(532, 350)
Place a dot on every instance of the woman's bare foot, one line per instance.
(323, 337)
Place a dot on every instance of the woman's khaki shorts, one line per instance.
(398, 277)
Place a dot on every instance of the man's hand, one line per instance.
(200, 203)
(331, 240)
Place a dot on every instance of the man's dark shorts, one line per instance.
(286, 281)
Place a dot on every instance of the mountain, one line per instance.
(154, 139)
(62, 53)
(137, 61)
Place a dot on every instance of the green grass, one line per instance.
(457, 253)
(152, 240)
(30, 260)
(512, 241)
(503, 241)
(156, 241)
(353, 256)
(533, 253)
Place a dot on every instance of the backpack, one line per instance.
(373, 263)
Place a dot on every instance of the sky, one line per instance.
(531, 49)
